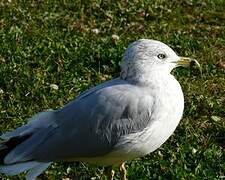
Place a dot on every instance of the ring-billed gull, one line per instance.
(119, 120)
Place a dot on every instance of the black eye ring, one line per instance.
(161, 56)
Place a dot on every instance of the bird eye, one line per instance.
(161, 56)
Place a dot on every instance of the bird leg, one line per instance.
(123, 172)
(109, 172)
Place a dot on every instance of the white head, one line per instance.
(144, 57)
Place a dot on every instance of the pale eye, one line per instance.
(161, 56)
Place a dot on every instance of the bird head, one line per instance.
(144, 57)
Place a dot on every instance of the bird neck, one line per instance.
(154, 78)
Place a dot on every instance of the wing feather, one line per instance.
(92, 124)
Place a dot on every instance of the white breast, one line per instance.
(167, 112)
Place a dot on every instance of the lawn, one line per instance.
(79, 44)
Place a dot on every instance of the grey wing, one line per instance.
(91, 125)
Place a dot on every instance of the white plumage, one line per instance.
(118, 120)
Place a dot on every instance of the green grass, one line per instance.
(53, 42)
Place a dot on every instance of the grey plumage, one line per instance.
(18, 168)
(98, 118)
(118, 120)
(37, 170)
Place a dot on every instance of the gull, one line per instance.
(116, 121)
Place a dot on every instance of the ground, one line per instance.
(50, 51)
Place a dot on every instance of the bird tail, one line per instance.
(34, 167)
(17, 147)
